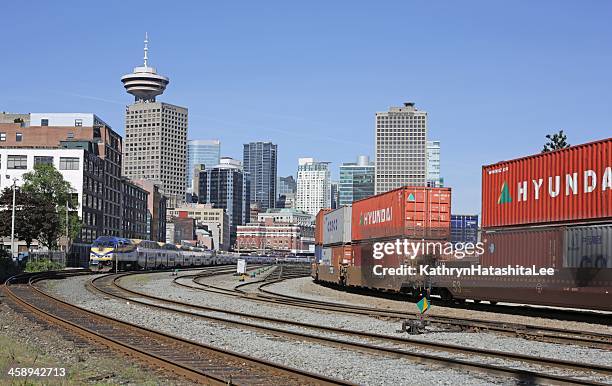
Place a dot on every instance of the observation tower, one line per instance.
(145, 83)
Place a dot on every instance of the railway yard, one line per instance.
(279, 327)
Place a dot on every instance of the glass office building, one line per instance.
(356, 181)
(259, 161)
(201, 151)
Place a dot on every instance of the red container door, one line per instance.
(540, 247)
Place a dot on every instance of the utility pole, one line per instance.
(13, 255)
(66, 227)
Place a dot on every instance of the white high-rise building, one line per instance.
(313, 186)
(401, 136)
(433, 165)
(155, 134)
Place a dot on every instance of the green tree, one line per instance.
(26, 223)
(50, 229)
(555, 142)
(54, 196)
(47, 181)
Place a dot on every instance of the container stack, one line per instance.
(550, 208)
(319, 219)
(337, 237)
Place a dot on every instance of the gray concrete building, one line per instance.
(401, 148)
(155, 134)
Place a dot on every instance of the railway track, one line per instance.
(526, 331)
(195, 361)
(383, 345)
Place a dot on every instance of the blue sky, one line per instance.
(495, 77)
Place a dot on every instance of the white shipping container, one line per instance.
(588, 247)
(337, 226)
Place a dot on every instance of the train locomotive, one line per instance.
(132, 254)
(549, 211)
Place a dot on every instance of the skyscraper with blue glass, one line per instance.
(356, 181)
(201, 151)
(259, 160)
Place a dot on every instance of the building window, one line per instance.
(78, 122)
(17, 162)
(70, 135)
(2, 137)
(43, 160)
(18, 137)
(69, 163)
(44, 122)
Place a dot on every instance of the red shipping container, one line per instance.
(567, 185)
(319, 225)
(536, 246)
(404, 212)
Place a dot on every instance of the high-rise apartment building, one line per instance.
(205, 152)
(434, 179)
(259, 160)
(401, 135)
(227, 186)
(155, 134)
(356, 181)
(313, 186)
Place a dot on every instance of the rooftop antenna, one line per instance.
(146, 48)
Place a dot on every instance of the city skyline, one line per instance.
(286, 93)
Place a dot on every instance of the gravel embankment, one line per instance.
(26, 342)
(160, 285)
(306, 288)
(335, 362)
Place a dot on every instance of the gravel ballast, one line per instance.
(334, 362)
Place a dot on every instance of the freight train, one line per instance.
(550, 212)
(128, 254)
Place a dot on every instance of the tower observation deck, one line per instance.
(144, 83)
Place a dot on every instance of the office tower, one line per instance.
(356, 180)
(334, 194)
(259, 160)
(285, 190)
(286, 185)
(227, 186)
(313, 186)
(201, 152)
(401, 148)
(433, 165)
(155, 133)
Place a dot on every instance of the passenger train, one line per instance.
(132, 254)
